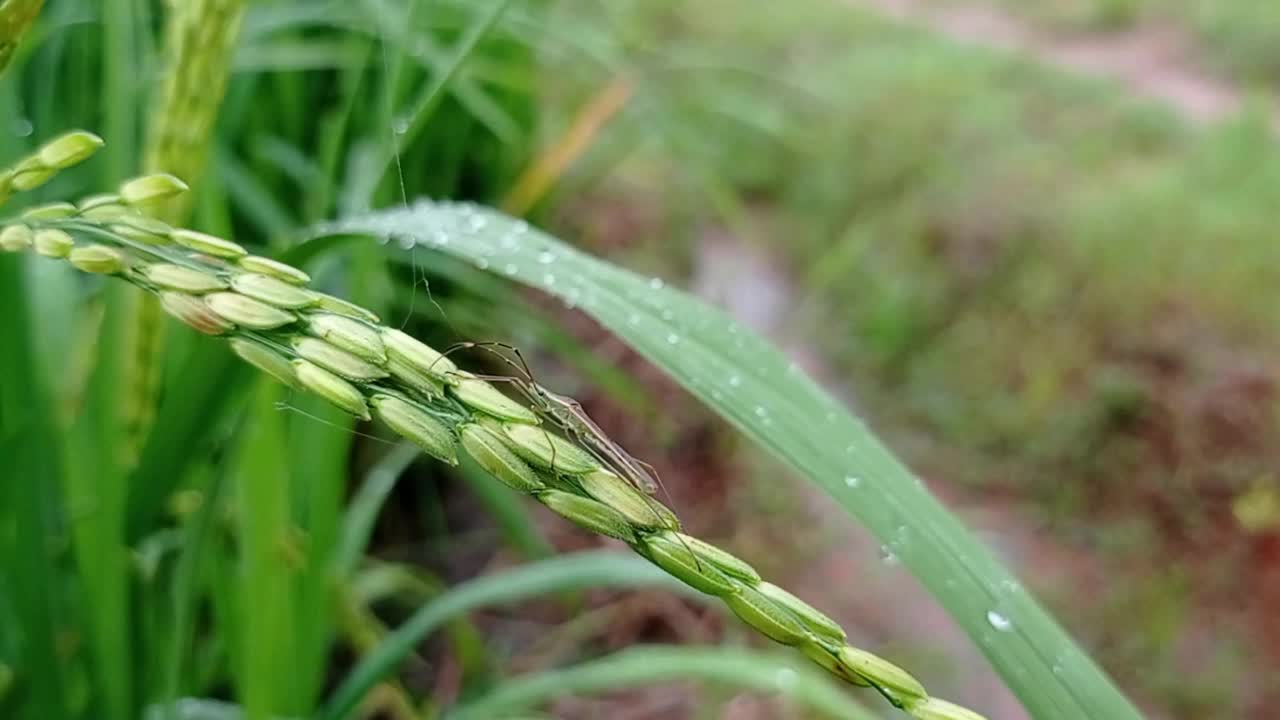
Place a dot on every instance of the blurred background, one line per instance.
(1033, 243)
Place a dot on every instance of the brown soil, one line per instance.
(1151, 60)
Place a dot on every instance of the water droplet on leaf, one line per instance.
(998, 621)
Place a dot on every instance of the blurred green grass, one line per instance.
(211, 567)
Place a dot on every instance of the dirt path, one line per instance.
(1155, 61)
(1159, 63)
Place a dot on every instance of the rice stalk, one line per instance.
(16, 17)
(199, 38)
(321, 345)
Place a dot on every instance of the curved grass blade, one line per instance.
(559, 574)
(362, 511)
(768, 398)
(638, 667)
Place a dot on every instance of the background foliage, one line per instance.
(916, 211)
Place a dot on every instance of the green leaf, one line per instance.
(319, 452)
(756, 388)
(212, 383)
(559, 574)
(31, 477)
(184, 592)
(362, 511)
(267, 676)
(96, 495)
(734, 667)
(429, 97)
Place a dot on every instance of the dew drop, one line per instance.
(998, 621)
(673, 339)
(482, 263)
(656, 283)
(852, 481)
(887, 556)
(785, 678)
(735, 380)
(22, 127)
(510, 269)
(546, 258)
(548, 279)
(633, 319)
(400, 125)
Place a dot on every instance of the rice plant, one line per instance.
(154, 488)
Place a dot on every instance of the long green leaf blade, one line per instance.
(559, 574)
(756, 388)
(266, 679)
(638, 667)
(30, 478)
